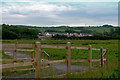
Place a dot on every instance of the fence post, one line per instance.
(101, 56)
(33, 59)
(90, 57)
(68, 58)
(107, 56)
(14, 56)
(37, 59)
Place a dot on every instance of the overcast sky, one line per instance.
(46, 13)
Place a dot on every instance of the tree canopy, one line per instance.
(14, 32)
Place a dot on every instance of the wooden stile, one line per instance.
(90, 57)
(68, 58)
(38, 59)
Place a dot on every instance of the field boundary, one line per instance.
(39, 54)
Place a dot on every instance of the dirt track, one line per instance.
(56, 68)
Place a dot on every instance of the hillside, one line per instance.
(62, 29)
(32, 32)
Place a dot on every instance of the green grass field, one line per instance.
(56, 54)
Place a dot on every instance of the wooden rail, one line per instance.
(105, 53)
(46, 54)
(24, 69)
(31, 63)
(16, 59)
(45, 46)
(19, 49)
(14, 48)
(56, 61)
(63, 47)
(16, 65)
(18, 70)
(36, 63)
(84, 60)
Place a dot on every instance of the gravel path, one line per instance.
(56, 68)
(18, 55)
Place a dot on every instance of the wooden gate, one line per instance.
(36, 62)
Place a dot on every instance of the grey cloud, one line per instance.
(69, 13)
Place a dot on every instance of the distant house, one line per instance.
(48, 34)
(81, 35)
(76, 34)
(44, 35)
(90, 35)
(71, 34)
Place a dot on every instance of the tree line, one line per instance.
(14, 32)
(113, 34)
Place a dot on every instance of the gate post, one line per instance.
(101, 56)
(37, 59)
(90, 57)
(68, 58)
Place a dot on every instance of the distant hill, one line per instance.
(31, 32)
(89, 29)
